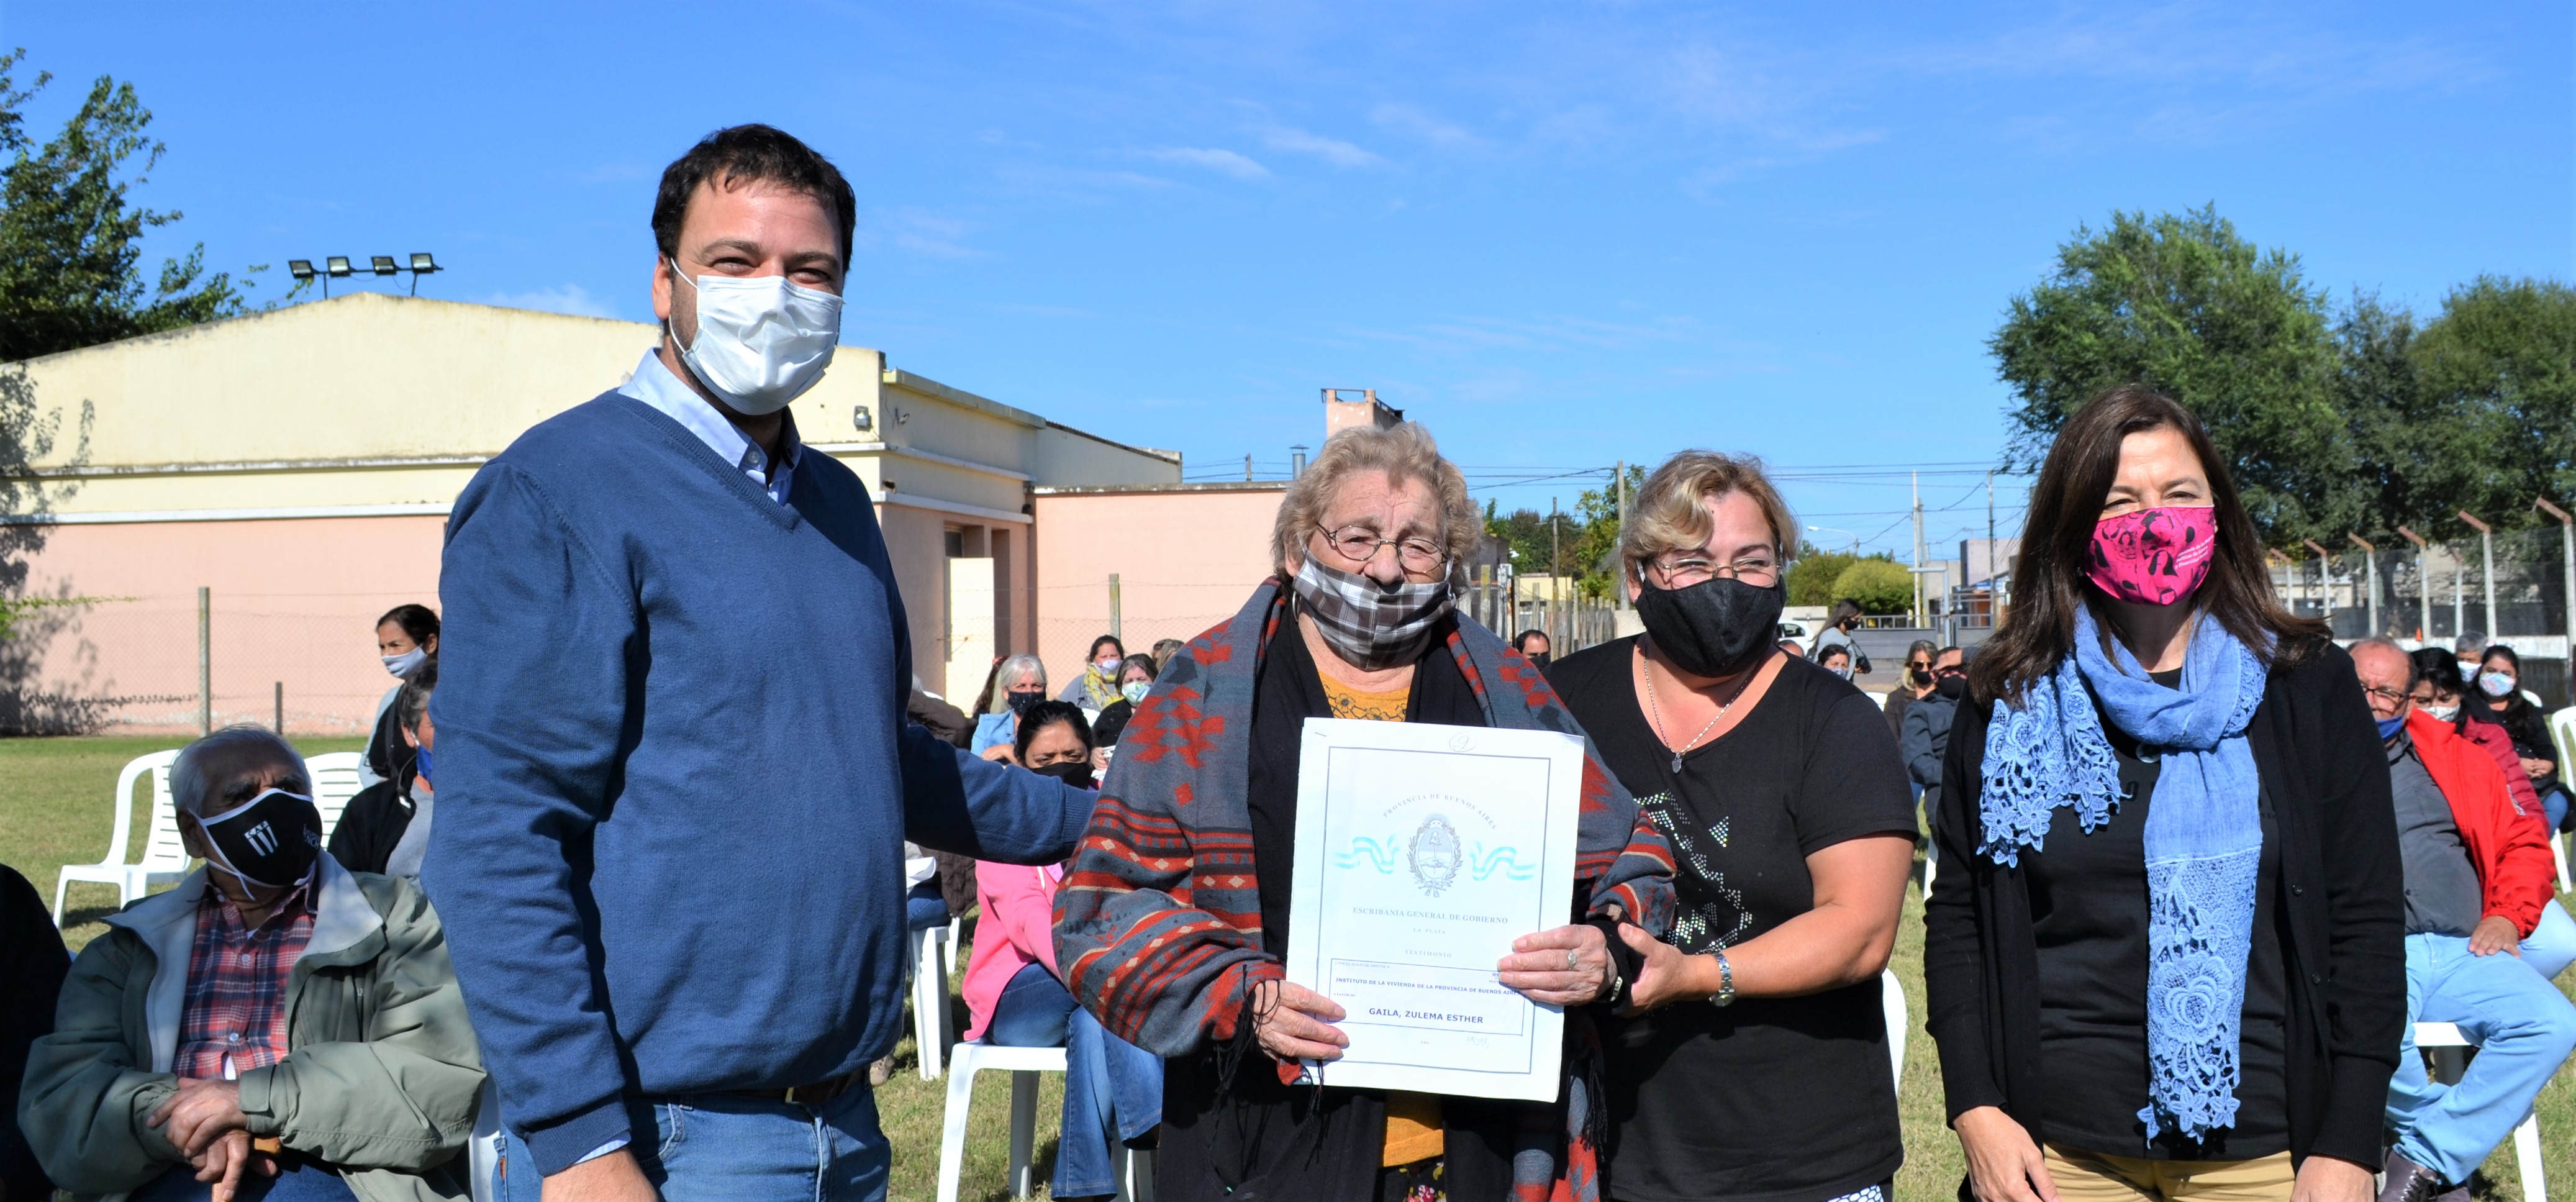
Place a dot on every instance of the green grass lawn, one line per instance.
(54, 811)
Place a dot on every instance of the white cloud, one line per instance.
(570, 299)
(1331, 150)
(1423, 125)
(1224, 161)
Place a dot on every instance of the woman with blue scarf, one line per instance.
(2171, 962)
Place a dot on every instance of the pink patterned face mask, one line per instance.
(2154, 556)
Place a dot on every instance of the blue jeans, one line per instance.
(924, 907)
(1112, 1088)
(721, 1147)
(304, 1182)
(2523, 1027)
(2552, 946)
(2554, 807)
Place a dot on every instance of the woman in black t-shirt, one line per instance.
(2193, 985)
(1753, 1062)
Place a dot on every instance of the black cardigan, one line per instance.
(2342, 904)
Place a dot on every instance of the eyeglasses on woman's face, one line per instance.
(1760, 569)
(1417, 554)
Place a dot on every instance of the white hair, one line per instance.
(188, 783)
(1009, 674)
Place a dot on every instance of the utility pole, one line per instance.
(1990, 531)
(2370, 560)
(1555, 573)
(2486, 543)
(2423, 588)
(2567, 547)
(1918, 550)
(1619, 587)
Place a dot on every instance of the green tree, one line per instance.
(2182, 303)
(1813, 574)
(71, 246)
(2494, 419)
(1881, 585)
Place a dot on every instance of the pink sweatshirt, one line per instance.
(1017, 929)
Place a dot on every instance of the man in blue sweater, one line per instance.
(677, 777)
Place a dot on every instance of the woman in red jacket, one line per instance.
(2438, 693)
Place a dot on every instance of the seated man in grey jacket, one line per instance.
(276, 1023)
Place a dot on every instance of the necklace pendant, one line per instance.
(1677, 762)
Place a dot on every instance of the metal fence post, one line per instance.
(2486, 543)
(205, 664)
(2370, 560)
(281, 709)
(1115, 627)
(2567, 548)
(2423, 586)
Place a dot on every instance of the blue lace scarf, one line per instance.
(2204, 838)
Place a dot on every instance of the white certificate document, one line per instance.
(1422, 852)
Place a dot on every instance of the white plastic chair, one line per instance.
(1134, 1170)
(335, 779)
(165, 859)
(2562, 730)
(2449, 1047)
(930, 1018)
(1891, 997)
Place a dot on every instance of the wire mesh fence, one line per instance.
(2510, 588)
(131, 665)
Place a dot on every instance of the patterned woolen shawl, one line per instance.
(2204, 837)
(1158, 923)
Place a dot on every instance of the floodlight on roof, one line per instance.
(339, 266)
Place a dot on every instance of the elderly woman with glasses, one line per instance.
(1752, 1060)
(1172, 922)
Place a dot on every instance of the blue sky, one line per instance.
(1561, 234)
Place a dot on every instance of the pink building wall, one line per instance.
(293, 603)
(1187, 557)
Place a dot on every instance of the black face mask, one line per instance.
(1076, 773)
(1714, 628)
(1921, 676)
(1021, 699)
(272, 839)
(1953, 686)
(1536, 657)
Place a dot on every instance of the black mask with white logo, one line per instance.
(1076, 773)
(271, 840)
(1715, 628)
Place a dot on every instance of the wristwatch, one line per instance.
(1725, 995)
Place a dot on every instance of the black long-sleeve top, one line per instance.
(2341, 889)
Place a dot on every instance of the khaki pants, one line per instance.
(2093, 1177)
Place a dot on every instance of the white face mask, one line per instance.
(402, 665)
(2441, 713)
(2495, 684)
(1107, 664)
(762, 341)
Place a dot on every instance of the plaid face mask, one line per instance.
(1368, 624)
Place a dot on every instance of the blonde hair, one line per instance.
(1671, 510)
(1404, 452)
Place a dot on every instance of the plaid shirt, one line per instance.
(234, 1018)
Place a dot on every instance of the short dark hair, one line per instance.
(2439, 666)
(743, 154)
(1833, 649)
(418, 621)
(1521, 640)
(413, 701)
(1963, 653)
(1043, 714)
(1106, 640)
